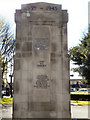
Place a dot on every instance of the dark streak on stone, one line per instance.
(16, 64)
(53, 55)
(17, 46)
(18, 55)
(15, 106)
(53, 46)
(16, 87)
(27, 46)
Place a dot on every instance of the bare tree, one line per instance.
(7, 47)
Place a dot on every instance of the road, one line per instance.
(76, 111)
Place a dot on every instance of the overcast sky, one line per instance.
(77, 9)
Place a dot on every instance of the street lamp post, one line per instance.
(11, 76)
(11, 84)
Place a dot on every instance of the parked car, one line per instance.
(72, 90)
(83, 90)
(3, 93)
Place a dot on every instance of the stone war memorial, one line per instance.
(41, 62)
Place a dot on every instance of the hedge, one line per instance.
(80, 96)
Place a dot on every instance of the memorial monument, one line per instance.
(41, 62)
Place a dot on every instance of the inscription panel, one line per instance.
(41, 64)
(42, 81)
(47, 8)
(41, 43)
(41, 69)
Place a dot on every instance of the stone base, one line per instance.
(42, 119)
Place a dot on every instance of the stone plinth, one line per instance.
(41, 84)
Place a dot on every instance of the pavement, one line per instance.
(80, 112)
(5, 111)
(76, 111)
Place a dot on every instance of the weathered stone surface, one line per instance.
(17, 64)
(17, 46)
(16, 86)
(18, 55)
(26, 54)
(54, 47)
(27, 46)
(41, 62)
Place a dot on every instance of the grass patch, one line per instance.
(80, 93)
(6, 101)
(80, 102)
